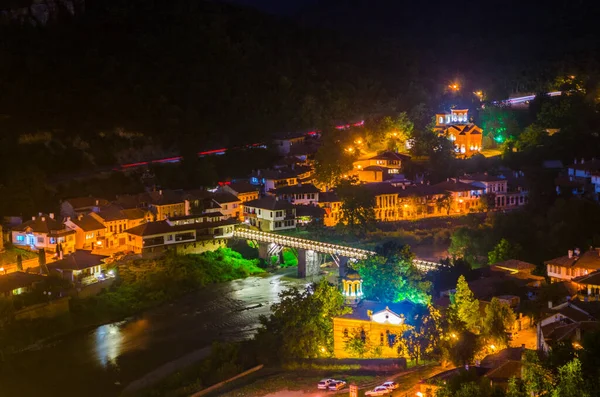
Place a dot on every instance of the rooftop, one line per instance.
(269, 203)
(114, 212)
(309, 210)
(163, 227)
(88, 223)
(79, 260)
(328, 197)
(12, 281)
(387, 155)
(86, 202)
(483, 177)
(453, 186)
(297, 189)
(587, 260)
(360, 312)
(41, 224)
(243, 187)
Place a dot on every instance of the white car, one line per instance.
(337, 385)
(324, 384)
(378, 391)
(390, 385)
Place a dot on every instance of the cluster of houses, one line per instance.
(573, 313)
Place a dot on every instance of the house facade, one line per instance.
(89, 232)
(44, 231)
(574, 264)
(332, 205)
(299, 194)
(379, 168)
(116, 220)
(380, 325)
(270, 214)
(466, 136)
(157, 237)
(74, 207)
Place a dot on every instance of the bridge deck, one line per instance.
(318, 246)
(301, 243)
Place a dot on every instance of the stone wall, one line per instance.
(51, 309)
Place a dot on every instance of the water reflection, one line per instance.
(112, 340)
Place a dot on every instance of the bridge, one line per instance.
(311, 253)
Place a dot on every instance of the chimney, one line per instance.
(160, 192)
(577, 252)
(570, 253)
(549, 304)
(97, 203)
(43, 219)
(52, 215)
(39, 214)
(258, 172)
(582, 161)
(33, 218)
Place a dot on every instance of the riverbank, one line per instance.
(102, 361)
(142, 284)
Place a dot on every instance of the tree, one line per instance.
(515, 388)
(393, 278)
(570, 381)
(531, 137)
(332, 161)
(423, 338)
(42, 261)
(536, 378)
(19, 262)
(465, 307)
(463, 348)
(499, 318)
(503, 251)
(444, 202)
(358, 343)
(487, 201)
(357, 206)
(301, 324)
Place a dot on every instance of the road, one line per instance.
(103, 361)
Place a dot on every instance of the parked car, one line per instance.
(378, 391)
(390, 385)
(324, 383)
(337, 385)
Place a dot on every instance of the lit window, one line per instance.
(20, 238)
(441, 120)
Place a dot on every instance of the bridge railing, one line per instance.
(301, 243)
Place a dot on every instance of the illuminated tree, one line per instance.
(570, 381)
(465, 307)
(444, 202)
(515, 388)
(498, 122)
(358, 205)
(423, 338)
(537, 379)
(301, 324)
(499, 318)
(393, 278)
(357, 343)
(503, 251)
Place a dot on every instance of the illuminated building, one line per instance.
(44, 231)
(332, 205)
(379, 168)
(466, 136)
(90, 233)
(380, 325)
(270, 214)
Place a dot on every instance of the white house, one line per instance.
(270, 214)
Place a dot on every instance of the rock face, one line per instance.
(38, 12)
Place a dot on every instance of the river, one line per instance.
(103, 361)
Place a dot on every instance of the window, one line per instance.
(112, 228)
(345, 332)
(381, 339)
(20, 238)
(170, 237)
(89, 236)
(277, 224)
(40, 240)
(52, 240)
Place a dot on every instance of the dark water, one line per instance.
(103, 361)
